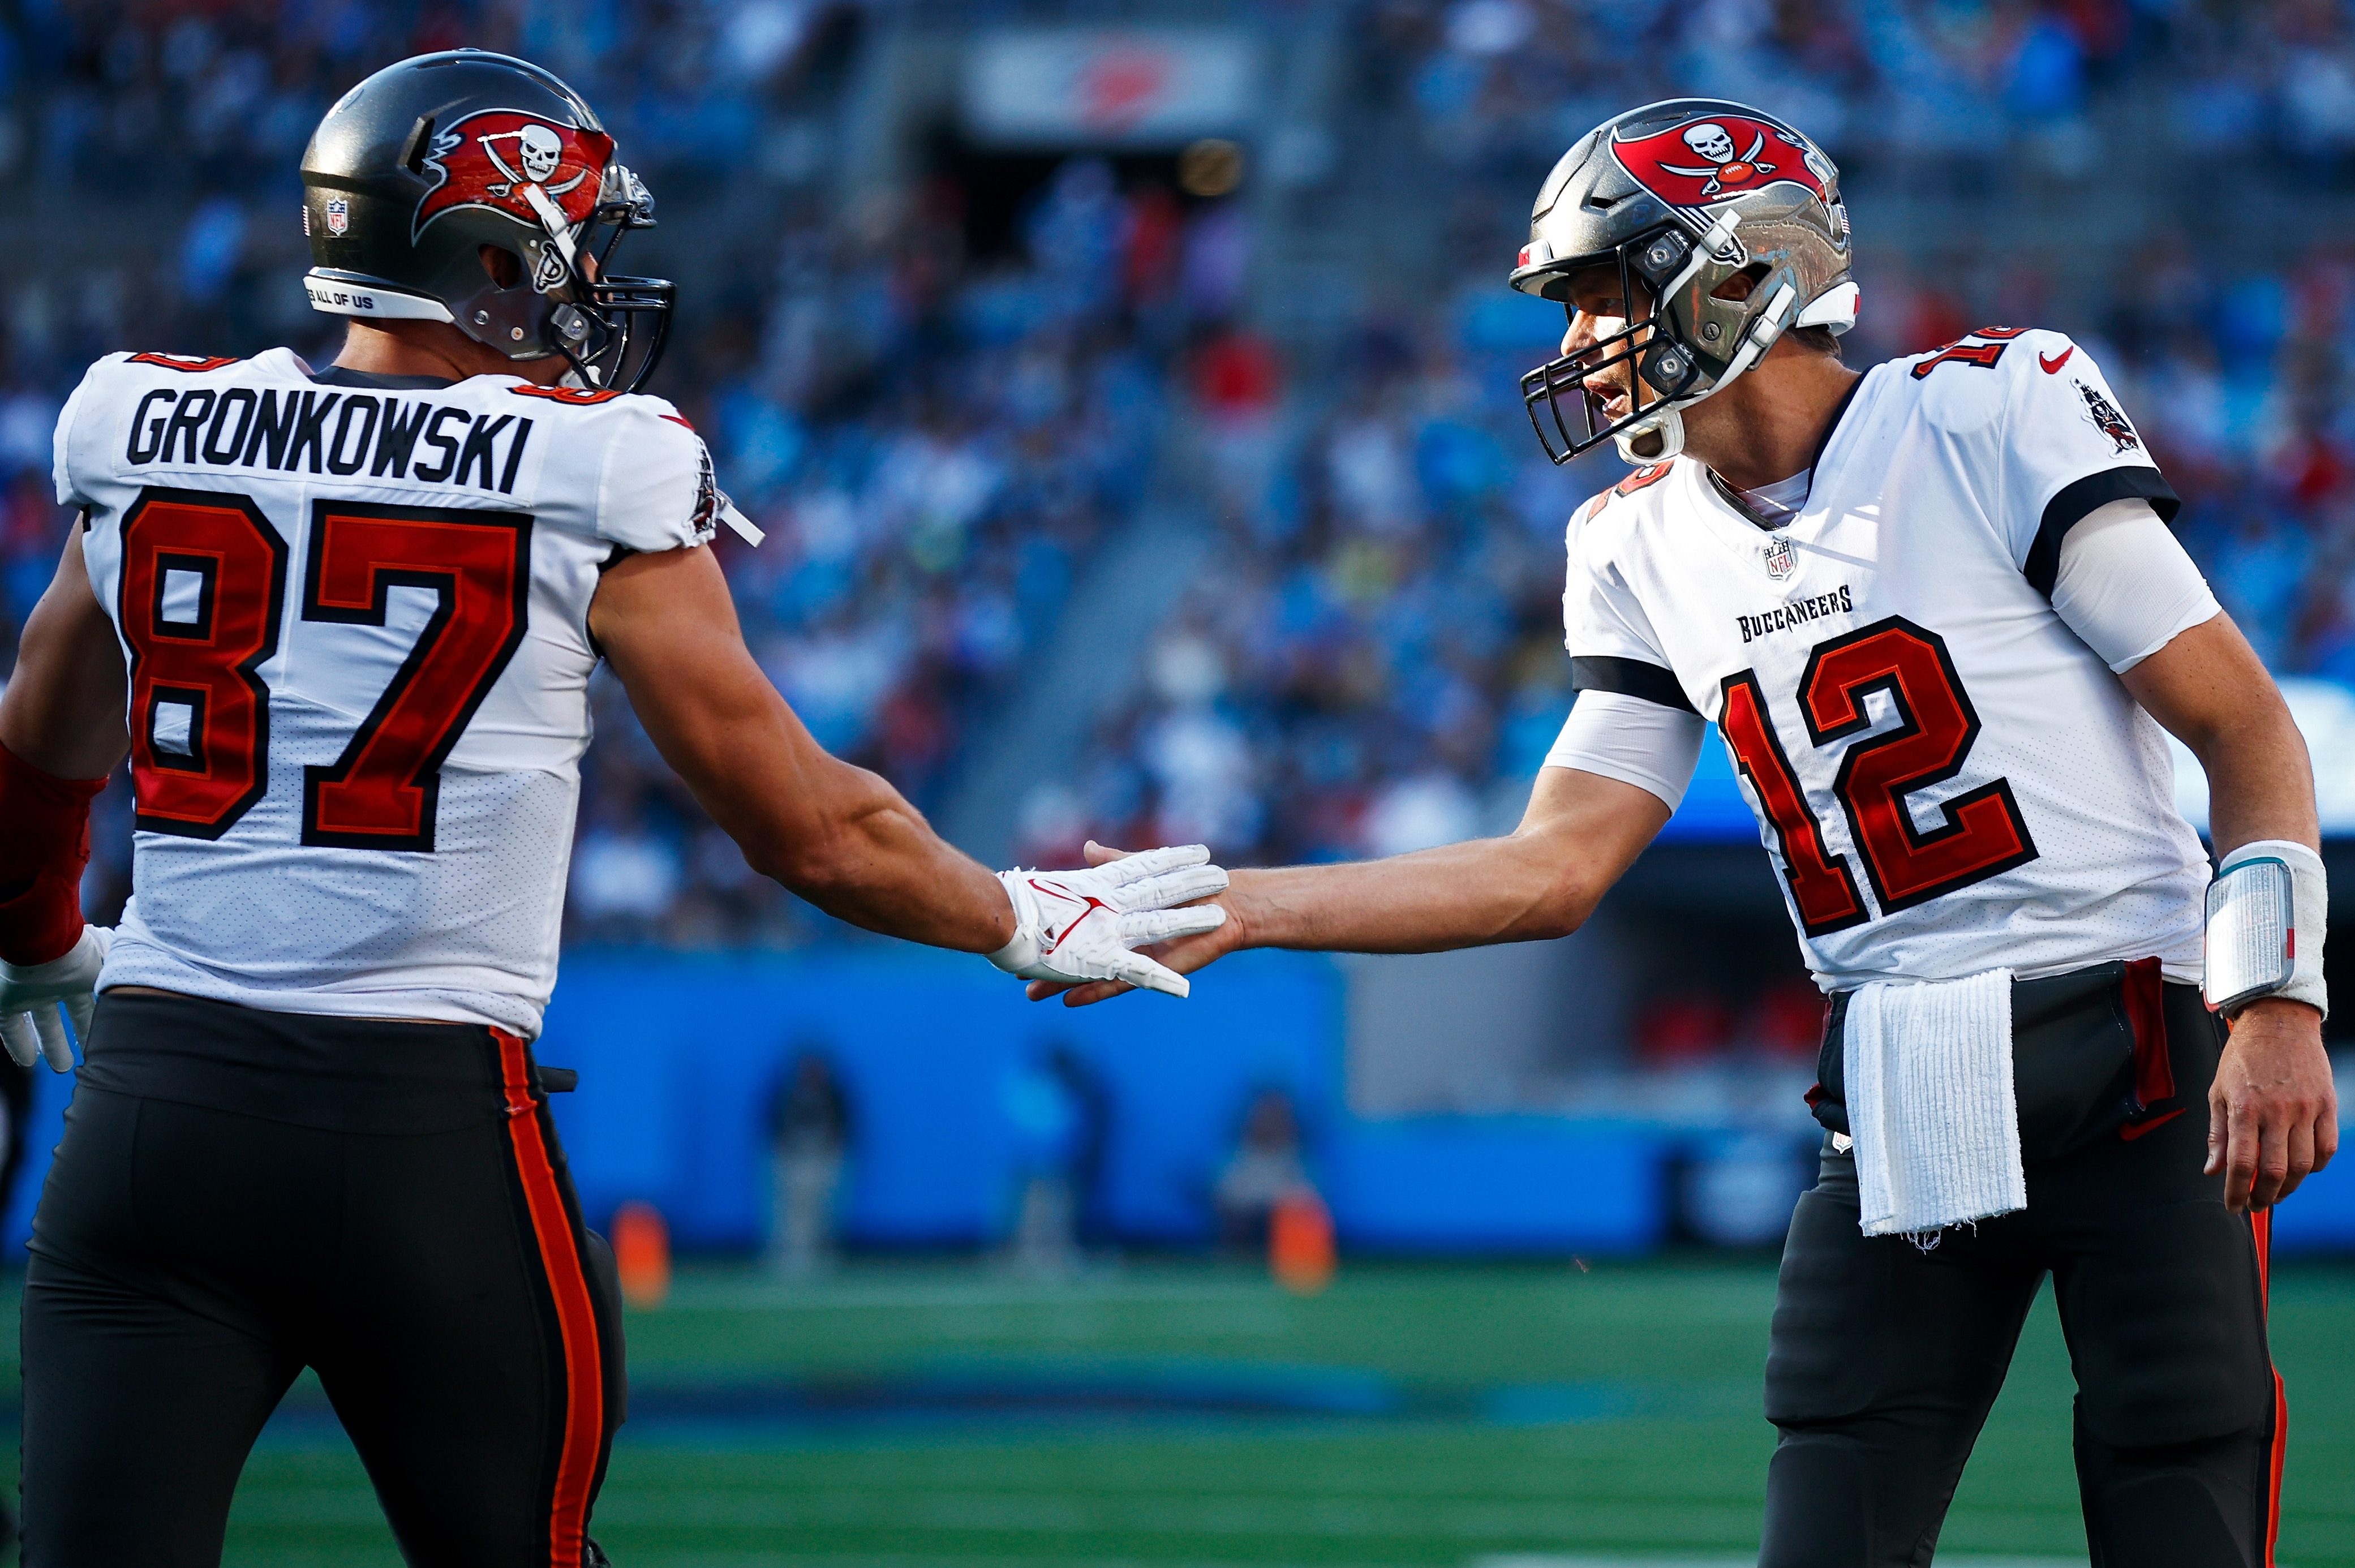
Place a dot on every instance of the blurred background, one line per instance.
(1136, 380)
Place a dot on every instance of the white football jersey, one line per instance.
(1949, 779)
(354, 615)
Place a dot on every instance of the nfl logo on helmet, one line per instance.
(339, 215)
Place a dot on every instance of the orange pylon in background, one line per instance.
(1300, 1243)
(642, 1253)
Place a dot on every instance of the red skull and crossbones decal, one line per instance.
(1713, 142)
(1738, 154)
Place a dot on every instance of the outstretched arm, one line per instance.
(1580, 835)
(838, 835)
(2273, 1112)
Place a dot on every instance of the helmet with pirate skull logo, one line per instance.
(1710, 140)
(423, 164)
(542, 149)
(1682, 199)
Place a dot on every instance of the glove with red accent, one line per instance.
(31, 995)
(1086, 924)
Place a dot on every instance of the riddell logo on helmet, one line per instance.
(1717, 157)
(495, 158)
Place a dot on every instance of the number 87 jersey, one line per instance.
(354, 613)
(1949, 779)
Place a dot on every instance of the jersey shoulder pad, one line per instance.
(1967, 384)
(655, 489)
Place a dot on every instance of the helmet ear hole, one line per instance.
(1741, 285)
(504, 267)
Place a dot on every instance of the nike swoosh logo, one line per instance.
(2052, 368)
(2134, 1130)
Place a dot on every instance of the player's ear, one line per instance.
(504, 267)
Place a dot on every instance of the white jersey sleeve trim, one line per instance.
(2126, 586)
(1632, 740)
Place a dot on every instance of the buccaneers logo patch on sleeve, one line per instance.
(2104, 416)
(492, 159)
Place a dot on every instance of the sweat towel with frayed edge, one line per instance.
(1931, 1104)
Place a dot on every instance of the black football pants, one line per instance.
(240, 1194)
(1885, 1357)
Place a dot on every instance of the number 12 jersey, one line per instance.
(1949, 779)
(354, 612)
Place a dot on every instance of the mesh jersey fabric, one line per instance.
(1949, 779)
(355, 621)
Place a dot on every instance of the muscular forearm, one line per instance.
(1580, 833)
(2260, 786)
(873, 861)
(1462, 895)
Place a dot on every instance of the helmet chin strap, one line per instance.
(1653, 440)
(1661, 435)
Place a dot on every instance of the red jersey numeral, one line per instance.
(381, 794)
(1982, 836)
(1983, 354)
(203, 584)
(1822, 886)
(1982, 833)
(203, 587)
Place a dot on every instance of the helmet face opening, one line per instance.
(1681, 197)
(1648, 267)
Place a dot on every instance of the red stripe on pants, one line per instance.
(2261, 1230)
(585, 1388)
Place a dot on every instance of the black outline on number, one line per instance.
(1835, 864)
(1900, 791)
(246, 669)
(444, 584)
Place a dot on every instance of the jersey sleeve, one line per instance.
(656, 491)
(2069, 449)
(1635, 742)
(71, 459)
(1611, 641)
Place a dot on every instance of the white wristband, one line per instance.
(2236, 929)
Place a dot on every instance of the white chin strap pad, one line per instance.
(1664, 432)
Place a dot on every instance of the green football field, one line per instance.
(1166, 1414)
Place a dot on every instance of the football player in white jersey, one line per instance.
(350, 616)
(1937, 618)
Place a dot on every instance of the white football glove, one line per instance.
(32, 994)
(1083, 925)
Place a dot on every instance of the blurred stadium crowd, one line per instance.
(937, 431)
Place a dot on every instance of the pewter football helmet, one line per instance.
(1682, 196)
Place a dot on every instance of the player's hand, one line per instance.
(32, 995)
(1181, 954)
(2273, 1112)
(1085, 925)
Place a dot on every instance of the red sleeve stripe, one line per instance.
(567, 1281)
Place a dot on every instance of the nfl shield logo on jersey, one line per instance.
(1780, 561)
(339, 215)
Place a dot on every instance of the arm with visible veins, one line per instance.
(838, 835)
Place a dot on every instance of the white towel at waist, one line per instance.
(1931, 1104)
